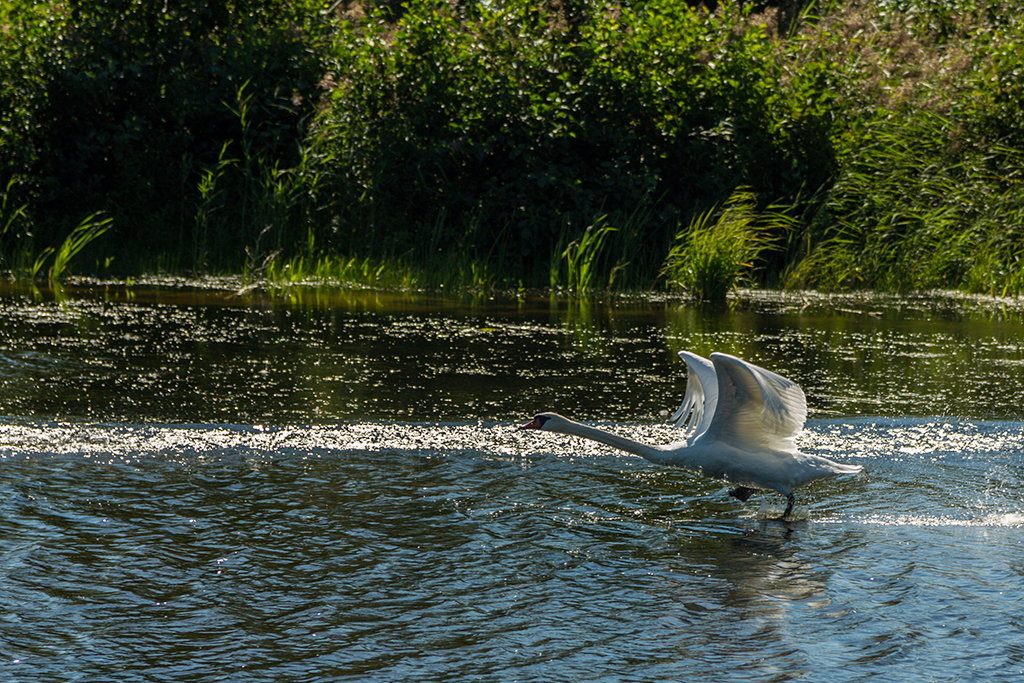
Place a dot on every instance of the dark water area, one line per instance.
(197, 484)
(200, 355)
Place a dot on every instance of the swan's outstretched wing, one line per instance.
(701, 397)
(757, 409)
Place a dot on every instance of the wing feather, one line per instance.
(757, 409)
(701, 397)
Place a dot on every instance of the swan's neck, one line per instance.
(653, 453)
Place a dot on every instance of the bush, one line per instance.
(500, 141)
(499, 130)
(133, 98)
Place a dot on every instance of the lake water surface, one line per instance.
(200, 485)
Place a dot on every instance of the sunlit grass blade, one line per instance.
(10, 216)
(582, 254)
(78, 239)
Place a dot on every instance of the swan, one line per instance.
(740, 424)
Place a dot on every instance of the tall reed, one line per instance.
(908, 211)
(10, 215)
(721, 246)
(582, 255)
(14, 229)
(88, 230)
(210, 202)
(250, 207)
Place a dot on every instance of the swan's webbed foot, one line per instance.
(742, 492)
(790, 502)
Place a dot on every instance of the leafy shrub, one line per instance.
(482, 140)
(133, 98)
(511, 124)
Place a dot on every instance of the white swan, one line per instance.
(741, 423)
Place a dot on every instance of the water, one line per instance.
(201, 486)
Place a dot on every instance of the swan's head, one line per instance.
(547, 421)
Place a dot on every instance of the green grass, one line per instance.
(339, 270)
(11, 216)
(721, 247)
(91, 228)
(910, 212)
(444, 273)
(580, 259)
(22, 260)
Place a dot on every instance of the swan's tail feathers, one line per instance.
(742, 492)
(841, 468)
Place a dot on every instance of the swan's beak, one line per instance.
(535, 423)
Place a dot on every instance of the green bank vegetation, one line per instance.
(584, 145)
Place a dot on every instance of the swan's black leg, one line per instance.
(790, 502)
(742, 492)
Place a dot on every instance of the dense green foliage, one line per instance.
(928, 187)
(576, 143)
(120, 106)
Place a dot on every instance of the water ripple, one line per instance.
(398, 551)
